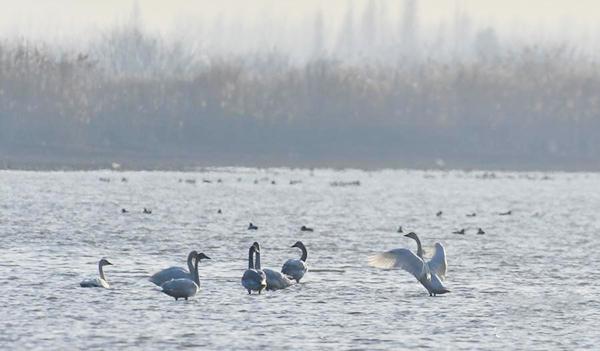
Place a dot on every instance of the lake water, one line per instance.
(531, 282)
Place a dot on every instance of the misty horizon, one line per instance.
(371, 89)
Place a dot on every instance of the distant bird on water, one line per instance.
(306, 229)
(462, 231)
(252, 226)
(439, 214)
(471, 214)
(219, 211)
(507, 213)
(399, 230)
(147, 210)
(480, 231)
(124, 210)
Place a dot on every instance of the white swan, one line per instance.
(427, 273)
(170, 273)
(184, 287)
(437, 264)
(296, 268)
(254, 279)
(98, 282)
(275, 280)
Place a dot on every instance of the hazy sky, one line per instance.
(68, 18)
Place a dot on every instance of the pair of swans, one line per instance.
(257, 279)
(179, 283)
(429, 273)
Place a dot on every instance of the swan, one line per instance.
(437, 264)
(429, 274)
(296, 268)
(275, 280)
(254, 279)
(184, 287)
(98, 282)
(167, 274)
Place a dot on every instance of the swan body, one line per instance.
(276, 280)
(97, 282)
(171, 273)
(254, 279)
(296, 268)
(184, 287)
(429, 273)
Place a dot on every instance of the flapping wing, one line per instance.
(437, 264)
(399, 258)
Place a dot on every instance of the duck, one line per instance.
(462, 231)
(251, 226)
(98, 282)
(147, 210)
(480, 231)
(275, 280)
(253, 278)
(400, 230)
(439, 213)
(306, 229)
(123, 210)
(296, 268)
(159, 278)
(184, 288)
(429, 274)
(507, 213)
(471, 214)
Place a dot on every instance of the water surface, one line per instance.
(531, 282)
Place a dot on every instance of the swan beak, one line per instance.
(206, 257)
(108, 263)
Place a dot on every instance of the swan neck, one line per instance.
(195, 272)
(190, 262)
(101, 271)
(419, 247)
(251, 258)
(257, 265)
(304, 253)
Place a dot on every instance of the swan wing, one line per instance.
(437, 264)
(400, 258)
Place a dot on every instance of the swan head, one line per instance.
(202, 256)
(298, 244)
(256, 246)
(104, 262)
(412, 235)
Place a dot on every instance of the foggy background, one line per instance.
(411, 83)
